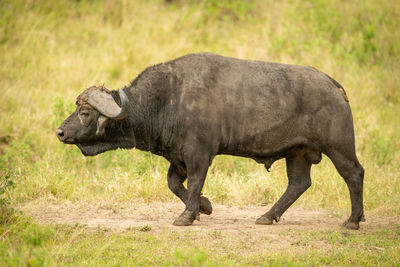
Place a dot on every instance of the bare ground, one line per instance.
(160, 215)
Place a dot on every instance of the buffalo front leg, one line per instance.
(197, 167)
(176, 176)
(298, 171)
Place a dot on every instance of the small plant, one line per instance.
(6, 183)
(145, 228)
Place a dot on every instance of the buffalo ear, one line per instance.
(101, 125)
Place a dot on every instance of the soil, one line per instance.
(160, 215)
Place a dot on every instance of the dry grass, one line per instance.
(51, 51)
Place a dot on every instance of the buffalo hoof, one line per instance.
(264, 221)
(205, 206)
(351, 225)
(184, 219)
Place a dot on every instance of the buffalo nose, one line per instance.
(60, 134)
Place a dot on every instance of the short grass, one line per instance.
(26, 243)
(52, 50)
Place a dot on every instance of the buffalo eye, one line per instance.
(84, 114)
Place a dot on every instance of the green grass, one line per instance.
(50, 51)
(27, 243)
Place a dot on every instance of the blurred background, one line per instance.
(50, 51)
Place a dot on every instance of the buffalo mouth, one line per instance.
(68, 142)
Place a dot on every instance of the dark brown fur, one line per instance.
(193, 108)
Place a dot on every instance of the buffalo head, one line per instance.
(97, 123)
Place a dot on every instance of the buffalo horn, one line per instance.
(106, 105)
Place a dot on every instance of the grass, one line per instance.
(27, 243)
(51, 50)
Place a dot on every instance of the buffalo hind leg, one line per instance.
(298, 171)
(176, 176)
(353, 174)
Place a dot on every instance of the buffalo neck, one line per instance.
(145, 129)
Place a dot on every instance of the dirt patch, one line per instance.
(159, 216)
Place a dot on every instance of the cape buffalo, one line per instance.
(195, 107)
